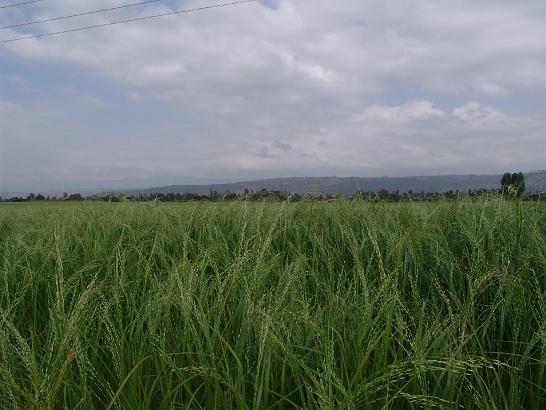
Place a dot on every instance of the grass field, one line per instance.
(344, 304)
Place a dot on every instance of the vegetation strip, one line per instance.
(266, 304)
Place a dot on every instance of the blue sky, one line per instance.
(276, 88)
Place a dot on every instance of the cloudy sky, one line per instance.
(273, 88)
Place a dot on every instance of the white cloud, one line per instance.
(354, 46)
(490, 89)
(473, 138)
(474, 112)
(411, 111)
(234, 86)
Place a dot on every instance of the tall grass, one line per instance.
(344, 304)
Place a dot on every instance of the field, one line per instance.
(342, 304)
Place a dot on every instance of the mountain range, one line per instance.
(535, 182)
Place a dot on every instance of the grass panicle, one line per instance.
(240, 305)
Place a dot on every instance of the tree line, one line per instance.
(512, 186)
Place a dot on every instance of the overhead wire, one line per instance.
(24, 3)
(85, 13)
(113, 23)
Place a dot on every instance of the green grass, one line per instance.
(344, 304)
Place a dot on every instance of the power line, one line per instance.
(113, 23)
(78, 14)
(19, 4)
(86, 13)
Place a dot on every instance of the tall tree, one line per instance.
(513, 184)
(506, 181)
(518, 180)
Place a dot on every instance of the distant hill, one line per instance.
(535, 181)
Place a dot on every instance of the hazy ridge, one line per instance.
(536, 181)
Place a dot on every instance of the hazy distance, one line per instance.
(271, 89)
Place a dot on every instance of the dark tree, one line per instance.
(513, 184)
(506, 181)
(75, 197)
(519, 183)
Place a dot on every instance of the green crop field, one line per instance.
(333, 305)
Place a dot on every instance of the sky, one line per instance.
(272, 89)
